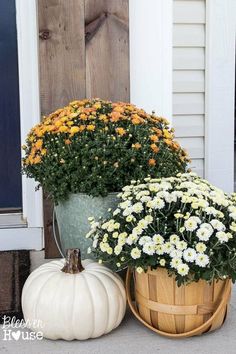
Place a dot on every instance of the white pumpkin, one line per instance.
(84, 305)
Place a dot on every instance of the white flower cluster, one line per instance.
(176, 222)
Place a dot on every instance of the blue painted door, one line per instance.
(10, 164)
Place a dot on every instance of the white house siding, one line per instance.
(189, 17)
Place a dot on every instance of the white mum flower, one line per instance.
(203, 234)
(103, 246)
(159, 203)
(183, 269)
(175, 262)
(145, 199)
(137, 230)
(207, 226)
(117, 250)
(138, 207)
(176, 254)
(125, 204)
(190, 224)
(143, 223)
(95, 243)
(144, 239)
(149, 219)
(202, 260)
(222, 236)
(154, 187)
(196, 218)
(174, 239)
(128, 211)
(158, 239)
(109, 250)
(139, 270)
(233, 226)
(149, 248)
(130, 218)
(162, 262)
(135, 253)
(115, 234)
(168, 247)
(233, 215)
(181, 245)
(116, 225)
(201, 247)
(116, 212)
(218, 225)
(160, 249)
(189, 255)
(131, 239)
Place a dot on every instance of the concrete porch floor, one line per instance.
(133, 338)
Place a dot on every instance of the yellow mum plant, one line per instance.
(97, 147)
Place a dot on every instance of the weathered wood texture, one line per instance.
(84, 52)
(62, 52)
(107, 51)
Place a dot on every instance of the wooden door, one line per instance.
(84, 52)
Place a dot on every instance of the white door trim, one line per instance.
(150, 31)
(31, 236)
(220, 74)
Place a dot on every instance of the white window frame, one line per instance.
(30, 236)
(220, 76)
(150, 31)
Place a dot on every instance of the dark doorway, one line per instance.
(10, 159)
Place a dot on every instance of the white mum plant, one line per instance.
(182, 223)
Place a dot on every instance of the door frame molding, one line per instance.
(30, 236)
(219, 105)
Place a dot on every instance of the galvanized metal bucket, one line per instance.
(72, 219)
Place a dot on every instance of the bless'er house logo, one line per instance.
(14, 329)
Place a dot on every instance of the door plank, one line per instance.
(62, 53)
(107, 49)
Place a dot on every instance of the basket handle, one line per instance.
(193, 332)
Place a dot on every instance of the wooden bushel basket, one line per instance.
(178, 312)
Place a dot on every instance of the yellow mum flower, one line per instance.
(74, 130)
(39, 144)
(167, 134)
(63, 129)
(121, 131)
(91, 127)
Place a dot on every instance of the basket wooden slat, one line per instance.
(178, 311)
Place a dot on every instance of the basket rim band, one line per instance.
(198, 309)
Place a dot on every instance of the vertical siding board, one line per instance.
(62, 52)
(107, 48)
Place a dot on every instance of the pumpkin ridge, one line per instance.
(39, 293)
(107, 297)
(116, 279)
(91, 299)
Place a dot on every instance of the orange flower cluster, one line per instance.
(98, 117)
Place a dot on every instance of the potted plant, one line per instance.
(178, 235)
(84, 153)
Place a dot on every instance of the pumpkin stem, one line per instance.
(73, 263)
